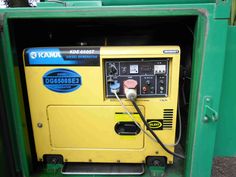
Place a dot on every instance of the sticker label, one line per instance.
(155, 124)
(170, 51)
(62, 80)
(63, 56)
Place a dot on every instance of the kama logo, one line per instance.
(155, 124)
(35, 55)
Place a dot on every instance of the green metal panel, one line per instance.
(225, 139)
(203, 140)
(147, 2)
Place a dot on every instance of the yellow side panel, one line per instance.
(81, 127)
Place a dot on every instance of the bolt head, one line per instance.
(40, 125)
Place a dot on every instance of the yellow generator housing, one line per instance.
(75, 114)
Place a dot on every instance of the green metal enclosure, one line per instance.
(204, 28)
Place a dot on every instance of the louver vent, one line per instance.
(167, 119)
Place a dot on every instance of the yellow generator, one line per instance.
(82, 102)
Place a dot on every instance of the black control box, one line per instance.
(151, 74)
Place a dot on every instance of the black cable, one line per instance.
(152, 132)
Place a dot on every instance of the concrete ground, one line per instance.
(224, 167)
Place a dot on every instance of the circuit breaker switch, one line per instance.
(159, 69)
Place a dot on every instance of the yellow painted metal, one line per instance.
(92, 124)
(80, 125)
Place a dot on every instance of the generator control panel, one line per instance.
(151, 74)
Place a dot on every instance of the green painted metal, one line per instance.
(223, 8)
(226, 141)
(147, 2)
(70, 3)
(207, 73)
(211, 81)
(233, 13)
(13, 108)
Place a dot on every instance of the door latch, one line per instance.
(210, 114)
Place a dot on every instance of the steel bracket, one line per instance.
(210, 114)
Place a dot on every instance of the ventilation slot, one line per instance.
(167, 119)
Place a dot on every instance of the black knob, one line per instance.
(148, 82)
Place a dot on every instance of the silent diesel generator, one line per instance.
(116, 87)
(103, 104)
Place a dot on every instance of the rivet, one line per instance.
(208, 99)
(205, 119)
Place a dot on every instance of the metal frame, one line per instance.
(207, 73)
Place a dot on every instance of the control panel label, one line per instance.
(63, 56)
(62, 80)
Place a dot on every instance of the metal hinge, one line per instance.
(210, 114)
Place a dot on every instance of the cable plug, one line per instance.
(115, 87)
(130, 89)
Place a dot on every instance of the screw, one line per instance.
(40, 125)
(157, 152)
